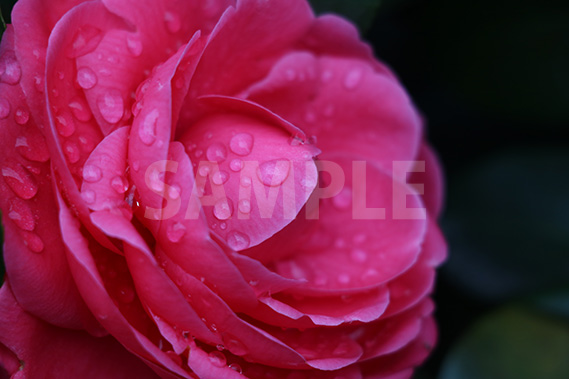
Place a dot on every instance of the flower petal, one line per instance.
(45, 350)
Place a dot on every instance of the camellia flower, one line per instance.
(210, 189)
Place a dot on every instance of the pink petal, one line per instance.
(188, 243)
(259, 179)
(347, 254)
(431, 179)
(401, 361)
(104, 178)
(123, 318)
(345, 103)
(239, 337)
(306, 312)
(45, 350)
(33, 251)
(240, 33)
(155, 289)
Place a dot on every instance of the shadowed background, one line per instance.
(492, 79)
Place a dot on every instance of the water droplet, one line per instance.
(198, 153)
(10, 69)
(80, 109)
(223, 209)
(236, 367)
(216, 152)
(134, 45)
(246, 181)
(38, 83)
(119, 184)
(111, 106)
(86, 78)
(353, 78)
(273, 173)
(329, 110)
(241, 144)
(237, 241)
(65, 125)
(175, 232)
(21, 214)
(236, 165)
(155, 180)
(203, 170)
(92, 174)
(222, 225)
(173, 23)
(4, 108)
(20, 181)
(33, 242)
(220, 177)
(136, 166)
(86, 39)
(290, 74)
(326, 76)
(344, 278)
(33, 147)
(235, 346)
(174, 192)
(126, 294)
(358, 256)
(217, 358)
(310, 117)
(88, 196)
(244, 206)
(343, 200)
(21, 116)
(147, 129)
(220, 347)
(71, 151)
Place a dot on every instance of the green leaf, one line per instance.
(511, 344)
(361, 12)
(508, 225)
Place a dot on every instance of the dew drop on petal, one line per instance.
(147, 129)
(237, 241)
(344, 278)
(33, 242)
(273, 173)
(21, 214)
(246, 181)
(358, 256)
(86, 39)
(236, 165)
(126, 294)
(343, 200)
(220, 177)
(217, 358)
(86, 78)
(20, 181)
(174, 192)
(21, 116)
(173, 23)
(175, 232)
(119, 184)
(92, 174)
(134, 45)
(71, 151)
(80, 109)
(223, 209)
(216, 152)
(353, 78)
(241, 144)
(10, 69)
(65, 125)
(244, 206)
(88, 196)
(4, 108)
(236, 367)
(111, 106)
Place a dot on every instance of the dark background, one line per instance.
(492, 79)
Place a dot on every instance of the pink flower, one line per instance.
(210, 189)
